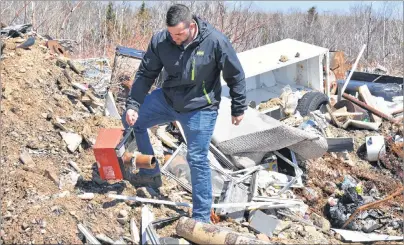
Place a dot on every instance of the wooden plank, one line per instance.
(366, 97)
(340, 144)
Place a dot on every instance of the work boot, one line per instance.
(140, 180)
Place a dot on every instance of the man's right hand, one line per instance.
(131, 117)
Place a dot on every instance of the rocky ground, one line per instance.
(41, 190)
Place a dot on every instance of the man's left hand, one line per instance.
(236, 120)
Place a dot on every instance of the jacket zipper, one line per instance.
(206, 94)
(193, 70)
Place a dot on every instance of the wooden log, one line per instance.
(202, 233)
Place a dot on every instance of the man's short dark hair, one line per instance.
(178, 13)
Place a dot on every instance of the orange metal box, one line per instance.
(106, 155)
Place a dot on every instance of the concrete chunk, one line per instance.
(72, 140)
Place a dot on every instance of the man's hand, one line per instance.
(131, 117)
(236, 120)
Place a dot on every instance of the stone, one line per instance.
(72, 140)
(123, 213)
(26, 159)
(122, 221)
(395, 225)
(43, 231)
(330, 187)
(86, 196)
(292, 235)
(263, 237)
(312, 232)
(52, 176)
(320, 221)
(22, 70)
(24, 226)
(310, 194)
(363, 215)
(243, 230)
(370, 225)
(43, 223)
(282, 226)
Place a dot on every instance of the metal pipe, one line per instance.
(267, 205)
(369, 108)
(140, 160)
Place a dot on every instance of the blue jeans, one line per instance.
(198, 128)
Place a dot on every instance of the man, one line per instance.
(192, 53)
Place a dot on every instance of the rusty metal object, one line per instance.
(369, 108)
(372, 205)
(337, 64)
(398, 148)
(214, 217)
(351, 107)
(201, 233)
(56, 48)
(141, 161)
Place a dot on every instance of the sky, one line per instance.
(321, 6)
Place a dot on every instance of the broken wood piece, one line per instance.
(360, 124)
(202, 233)
(340, 144)
(69, 78)
(76, 67)
(369, 108)
(373, 204)
(333, 118)
(366, 97)
(110, 106)
(89, 236)
(134, 231)
(80, 86)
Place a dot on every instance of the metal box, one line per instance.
(106, 155)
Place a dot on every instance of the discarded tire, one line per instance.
(311, 101)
